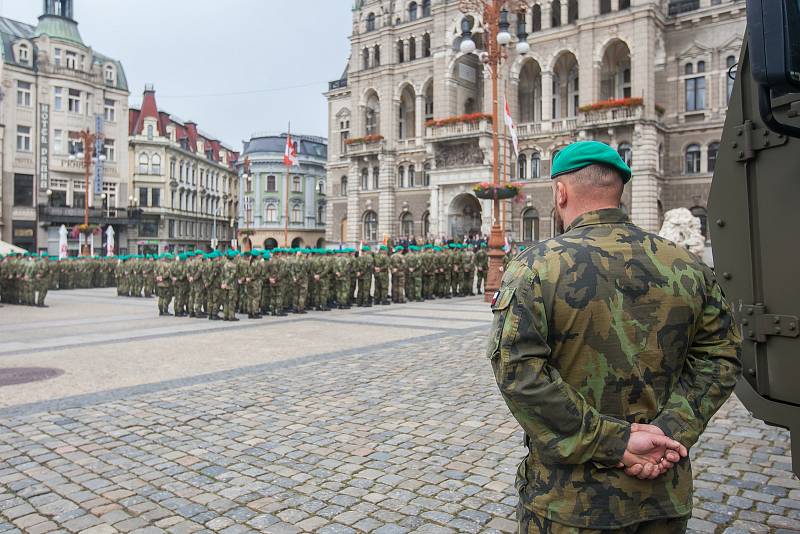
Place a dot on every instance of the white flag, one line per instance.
(512, 128)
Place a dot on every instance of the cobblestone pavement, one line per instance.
(406, 437)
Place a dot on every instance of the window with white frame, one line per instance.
(110, 75)
(74, 143)
(57, 58)
(23, 94)
(173, 165)
(401, 177)
(72, 60)
(74, 101)
(536, 165)
(412, 178)
(692, 159)
(522, 165)
(24, 54)
(155, 164)
(297, 185)
(272, 213)
(144, 164)
(58, 98)
(376, 177)
(23, 138)
(711, 159)
(110, 149)
(695, 87)
(297, 214)
(365, 178)
(58, 141)
(110, 110)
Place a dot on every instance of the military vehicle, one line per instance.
(754, 214)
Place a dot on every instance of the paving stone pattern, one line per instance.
(407, 439)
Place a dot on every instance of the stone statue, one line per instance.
(683, 228)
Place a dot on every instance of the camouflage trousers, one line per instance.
(343, 291)
(481, 283)
(468, 282)
(364, 290)
(164, 298)
(215, 296)
(455, 283)
(181, 298)
(398, 287)
(229, 303)
(414, 287)
(530, 523)
(382, 287)
(315, 293)
(300, 295)
(253, 304)
(276, 298)
(196, 298)
(41, 292)
(265, 297)
(149, 287)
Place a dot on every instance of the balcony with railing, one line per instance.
(91, 77)
(611, 116)
(97, 215)
(458, 127)
(364, 146)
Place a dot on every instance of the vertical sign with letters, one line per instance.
(44, 146)
(98, 151)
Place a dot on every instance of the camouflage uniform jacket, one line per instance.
(598, 328)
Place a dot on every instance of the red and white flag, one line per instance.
(512, 128)
(290, 154)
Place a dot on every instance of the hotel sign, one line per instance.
(44, 146)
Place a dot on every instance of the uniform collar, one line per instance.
(604, 216)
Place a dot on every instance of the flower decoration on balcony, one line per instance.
(457, 119)
(612, 104)
(366, 140)
(660, 109)
(490, 191)
(84, 229)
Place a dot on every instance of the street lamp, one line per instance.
(497, 39)
(49, 194)
(88, 139)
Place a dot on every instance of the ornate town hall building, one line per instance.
(410, 130)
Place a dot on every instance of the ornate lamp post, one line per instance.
(88, 139)
(496, 40)
(248, 203)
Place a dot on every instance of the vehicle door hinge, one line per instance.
(757, 324)
(750, 140)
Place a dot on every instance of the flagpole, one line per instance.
(286, 204)
(505, 166)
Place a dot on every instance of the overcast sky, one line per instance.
(192, 49)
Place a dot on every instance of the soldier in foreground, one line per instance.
(612, 348)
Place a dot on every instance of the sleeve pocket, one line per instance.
(500, 308)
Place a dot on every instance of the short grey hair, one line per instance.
(595, 175)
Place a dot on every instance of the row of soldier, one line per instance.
(277, 282)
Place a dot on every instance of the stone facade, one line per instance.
(648, 77)
(282, 206)
(184, 186)
(53, 87)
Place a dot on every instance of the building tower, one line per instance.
(57, 20)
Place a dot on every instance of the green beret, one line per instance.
(413, 248)
(398, 249)
(584, 153)
(483, 244)
(365, 248)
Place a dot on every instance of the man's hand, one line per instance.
(650, 453)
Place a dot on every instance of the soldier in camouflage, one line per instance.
(612, 348)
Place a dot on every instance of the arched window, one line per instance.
(522, 165)
(372, 115)
(605, 6)
(713, 150)
(572, 11)
(364, 179)
(412, 11)
(536, 165)
(624, 4)
(536, 18)
(407, 125)
(426, 45)
(693, 159)
(530, 225)
(365, 58)
(426, 8)
(407, 225)
(701, 66)
(625, 151)
(272, 213)
(730, 74)
(110, 75)
(412, 49)
(573, 96)
(530, 92)
(144, 164)
(701, 213)
(411, 176)
(320, 213)
(401, 177)
(555, 14)
(155, 164)
(688, 69)
(343, 186)
(297, 214)
(297, 185)
(376, 173)
(429, 102)
(370, 226)
(376, 56)
(426, 224)
(371, 22)
(426, 175)
(401, 52)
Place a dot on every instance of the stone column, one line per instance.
(435, 212)
(564, 12)
(353, 199)
(386, 198)
(547, 99)
(546, 18)
(419, 116)
(406, 49)
(644, 184)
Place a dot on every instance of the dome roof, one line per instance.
(314, 147)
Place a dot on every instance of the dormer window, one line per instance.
(24, 54)
(110, 75)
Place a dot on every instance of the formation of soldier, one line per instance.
(26, 278)
(257, 283)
